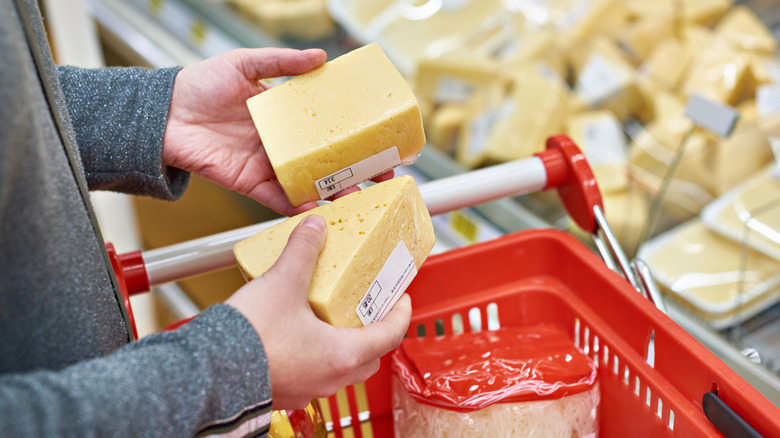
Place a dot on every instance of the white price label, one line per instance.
(359, 172)
(397, 273)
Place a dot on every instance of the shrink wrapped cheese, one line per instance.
(377, 239)
(711, 275)
(339, 125)
(510, 382)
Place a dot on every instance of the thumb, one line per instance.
(296, 264)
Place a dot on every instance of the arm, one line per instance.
(119, 116)
(169, 384)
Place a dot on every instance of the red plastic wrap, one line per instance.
(471, 371)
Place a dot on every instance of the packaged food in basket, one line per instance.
(339, 125)
(512, 382)
(377, 239)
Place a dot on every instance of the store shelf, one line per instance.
(180, 32)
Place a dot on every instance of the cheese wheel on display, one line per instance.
(372, 234)
(339, 125)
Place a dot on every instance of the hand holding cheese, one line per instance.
(307, 357)
(339, 125)
(209, 130)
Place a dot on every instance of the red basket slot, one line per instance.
(548, 276)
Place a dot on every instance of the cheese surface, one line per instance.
(324, 121)
(363, 230)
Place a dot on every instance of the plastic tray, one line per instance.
(654, 376)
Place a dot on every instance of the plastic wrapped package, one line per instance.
(515, 381)
(304, 20)
(377, 239)
(339, 125)
(714, 277)
(750, 213)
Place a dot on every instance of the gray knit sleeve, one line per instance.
(119, 116)
(209, 376)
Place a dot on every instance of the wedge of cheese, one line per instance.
(364, 229)
(339, 125)
(721, 75)
(600, 136)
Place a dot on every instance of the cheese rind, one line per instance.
(321, 122)
(363, 229)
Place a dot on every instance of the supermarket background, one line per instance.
(494, 79)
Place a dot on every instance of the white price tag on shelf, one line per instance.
(711, 115)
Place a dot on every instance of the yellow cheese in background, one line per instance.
(536, 45)
(746, 31)
(701, 269)
(641, 37)
(757, 200)
(580, 21)
(444, 125)
(703, 12)
(667, 62)
(415, 32)
(363, 229)
(626, 212)
(721, 75)
(765, 68)
(600, 136)
(484, 112)
(581, 52)
(300, 19)
(537, 110)
(453, 77)
(321, 122)
(606, 82)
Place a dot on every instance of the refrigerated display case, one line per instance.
(599, 80)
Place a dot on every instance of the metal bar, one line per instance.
(215, 252)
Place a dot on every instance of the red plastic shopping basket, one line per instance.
(547, 275)
(656, 379)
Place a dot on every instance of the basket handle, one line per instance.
(725, 419)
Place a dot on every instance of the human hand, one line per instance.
(309, 358)
(210, 131)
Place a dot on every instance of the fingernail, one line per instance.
(314, 221)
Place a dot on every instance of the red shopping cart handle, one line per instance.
(568, 171)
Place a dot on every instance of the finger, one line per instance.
(266, 63)
(296, 264)
(377, 339)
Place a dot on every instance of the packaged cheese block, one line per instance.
(702, 12)
(300, 19)
(529, 381)
(485, 111)
(711, 275)
(445, 124)
(766, 69)
(750, 212)
(606, 82)
(667, 62)
(377, 239)
(536, 110)
(412, 32)
(600, 136)
(722, 75)
(453, 77)
(581, 20)
(533, 45)
(641, 37)
(746, 31)
(339, 125)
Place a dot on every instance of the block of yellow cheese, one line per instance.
(339, 125)
(745, 30)
(715, 277)
(600, 136)
(365, 228)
